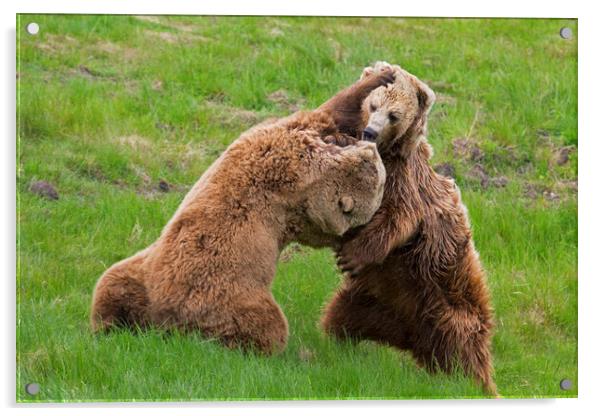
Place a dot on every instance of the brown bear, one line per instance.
(212, 267)
(414, 278)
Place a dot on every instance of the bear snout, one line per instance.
(369, 135)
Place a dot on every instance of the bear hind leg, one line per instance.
(458, 339)
(119, 301)
(356, 315)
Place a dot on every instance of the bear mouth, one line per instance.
(370, 140)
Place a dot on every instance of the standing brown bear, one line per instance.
(212, 267)
(414, 278)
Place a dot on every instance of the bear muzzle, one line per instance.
(369, 134)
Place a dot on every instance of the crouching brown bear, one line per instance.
(414, 278)
(212, 267)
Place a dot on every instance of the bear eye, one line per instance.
(372, 108)
(393, 117)
(346, 203)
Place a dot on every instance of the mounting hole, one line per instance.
(566, 33)
(33, 28)
(566, 384)
(32, 389)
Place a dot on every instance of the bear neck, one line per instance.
(411, 178)
(441, 214)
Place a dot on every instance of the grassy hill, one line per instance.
(119, 115)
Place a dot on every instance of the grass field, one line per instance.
(121, 114)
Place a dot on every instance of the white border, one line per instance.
(590, 228)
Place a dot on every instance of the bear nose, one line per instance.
(369, 134)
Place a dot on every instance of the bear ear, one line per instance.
(426, 97)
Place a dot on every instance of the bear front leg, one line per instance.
(346, 106)
(373, 242)
(340, 140)
(257, 324)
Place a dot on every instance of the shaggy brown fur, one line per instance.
(415, 281)
(212, 267)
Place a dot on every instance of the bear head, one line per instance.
(395, 116)
(345, 190)
(314, 188)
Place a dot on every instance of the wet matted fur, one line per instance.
(415, 281)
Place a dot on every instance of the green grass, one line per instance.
(111, 105)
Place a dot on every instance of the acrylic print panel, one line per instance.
(119, 116)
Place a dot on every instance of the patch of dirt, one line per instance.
(157, 85)
(114, 49)
(91, 170)
(283, 100)
(276, 32)
(536, 316)
(151, 19)
(445, 169)
(157, 190)
(445, 99)
(144, 177)
(130, 85)
(508, 155)
(551, 195)
(148, 193)
(87, 72)
(44, 189)
(164, 36)
(245, 116)
(439, 85)
(339, 52)
(467, 149)
(499, 182)
(193, 151)
(165, 127)
(568, 185)
(438, 113)
(183, 27)
(229, 114)
(543, 133)
(56, 43)
(525, 168)
(135, 142)
(184, 156)
(108, 47)
(559, 192)
(531, 190)
(478, 173)
(173, 38)
(93, 74)
(561, 155)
